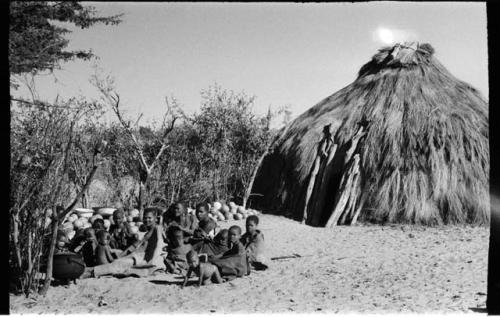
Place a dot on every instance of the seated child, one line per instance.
(98, 224)
(88, 248)
(207, 273)
(213, 249)
(253, 240)
(103, 251)
(177, 215)
(233, 263)
(121, 234)
(62, 242)
(175, 260)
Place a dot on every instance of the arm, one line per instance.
(159, 240)
(100, 255)
(186, 278)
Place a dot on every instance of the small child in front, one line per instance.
(103, 251)
(253, 240)
(175, 260)
(207, 272)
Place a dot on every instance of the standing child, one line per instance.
(253, 240)
(208, 273)
(103, 251)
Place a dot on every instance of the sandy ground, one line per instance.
(364, 269)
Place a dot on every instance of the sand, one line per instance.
(363, 269)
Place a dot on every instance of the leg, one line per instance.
(216, 278)
(116, 267)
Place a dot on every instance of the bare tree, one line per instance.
(168, 123)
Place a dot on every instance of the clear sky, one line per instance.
(284, 54)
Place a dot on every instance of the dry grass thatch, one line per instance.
(415, 137)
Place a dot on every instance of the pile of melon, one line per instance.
(82, 218)
(222, 212)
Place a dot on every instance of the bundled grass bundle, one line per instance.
(408, 143)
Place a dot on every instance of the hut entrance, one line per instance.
(333, 191)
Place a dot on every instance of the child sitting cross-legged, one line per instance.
(175, 261)
(207, 272)
(253, 240)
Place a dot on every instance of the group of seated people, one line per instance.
(177, 242)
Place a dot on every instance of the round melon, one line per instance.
(217, 205)
(73, 218)
(233, 210)
(134, 229)
(134, 213)
(83, 219)
(78, 224)
(87, 225)
(241, 209)
(132, 224)
(232, 204)
(238, 216)
(225, 208)
(220, 217)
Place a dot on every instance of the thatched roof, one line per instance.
(423, 151)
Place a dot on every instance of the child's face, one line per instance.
(118, 218)
(178, 238)
(201, 213)
(251, 226)
(178, 209)
(148, 219)
(193, 263)
(233, 235)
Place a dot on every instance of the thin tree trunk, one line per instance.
(310, 186)
(50, 260)
(248, 192)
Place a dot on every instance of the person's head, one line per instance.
(221, 237)
(103, 237)
(252, 223)
(118, 216)
(202, 211)
(206, 224)
(98, 224)
(192, 259)
(178, 209)
(62, 238)
(176, 236)
(234, 234)
(89, 234)
(149, 217)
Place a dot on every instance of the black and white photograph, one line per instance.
(229, 158)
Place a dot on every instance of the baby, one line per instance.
(208, 273)
(103, 251)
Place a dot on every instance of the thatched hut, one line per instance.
(405, 142)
